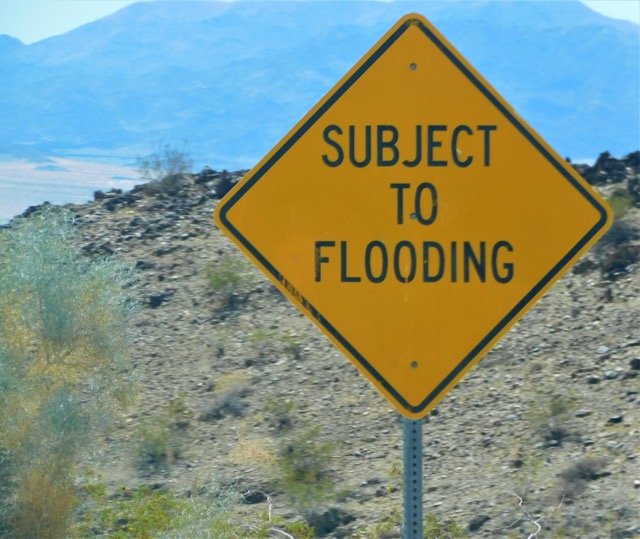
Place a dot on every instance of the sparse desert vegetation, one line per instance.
(152, 384)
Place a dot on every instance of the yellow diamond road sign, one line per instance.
(413, 216)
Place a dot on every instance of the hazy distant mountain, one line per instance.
(233, 77)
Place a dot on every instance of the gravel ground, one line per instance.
(548, 418)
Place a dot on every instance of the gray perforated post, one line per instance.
(412, 524)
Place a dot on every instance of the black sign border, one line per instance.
(327, 103)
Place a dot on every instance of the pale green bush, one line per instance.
(63, 366)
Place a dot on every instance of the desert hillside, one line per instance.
(234, 381)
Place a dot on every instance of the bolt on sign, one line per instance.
(413, 216)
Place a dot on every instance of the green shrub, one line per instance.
(226, 279)
(43, 501)
(141, 512)
(304, 461)
(550, 418)
(230, 389)
(63, 366)
(620, 202)
(280, 414)
(300, 530)
(434, 529)
(617, 262)
(573, 479)
(620, 233)
(391, 521)
(145, 512)
(159, 439)
(230, 402)
(292, 346)
(155, 446)
(165, 169)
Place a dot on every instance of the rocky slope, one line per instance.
(550, 415)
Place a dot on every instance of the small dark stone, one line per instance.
(630, 533)
(583, 266)
(89, 247)
(94, 249)
(325, 523)
(593, 379)
(372, 481)
(254, 496)
(619, 262)
(477, 522)
(634, 363)
(104, 249)
(614, 420)
(166, 250)
(205, 176)
(224, 185)
(157, 299)
(143, 265)
(137, 222)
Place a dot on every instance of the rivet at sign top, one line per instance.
(414, 364)
(413, 66)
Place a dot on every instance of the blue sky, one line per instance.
(33, 20)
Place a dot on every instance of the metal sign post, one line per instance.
(412, 523)
(413, 280)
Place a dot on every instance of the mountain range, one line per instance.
(231, 78)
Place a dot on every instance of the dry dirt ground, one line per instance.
(550, 415)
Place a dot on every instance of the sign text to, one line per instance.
(426, 261)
